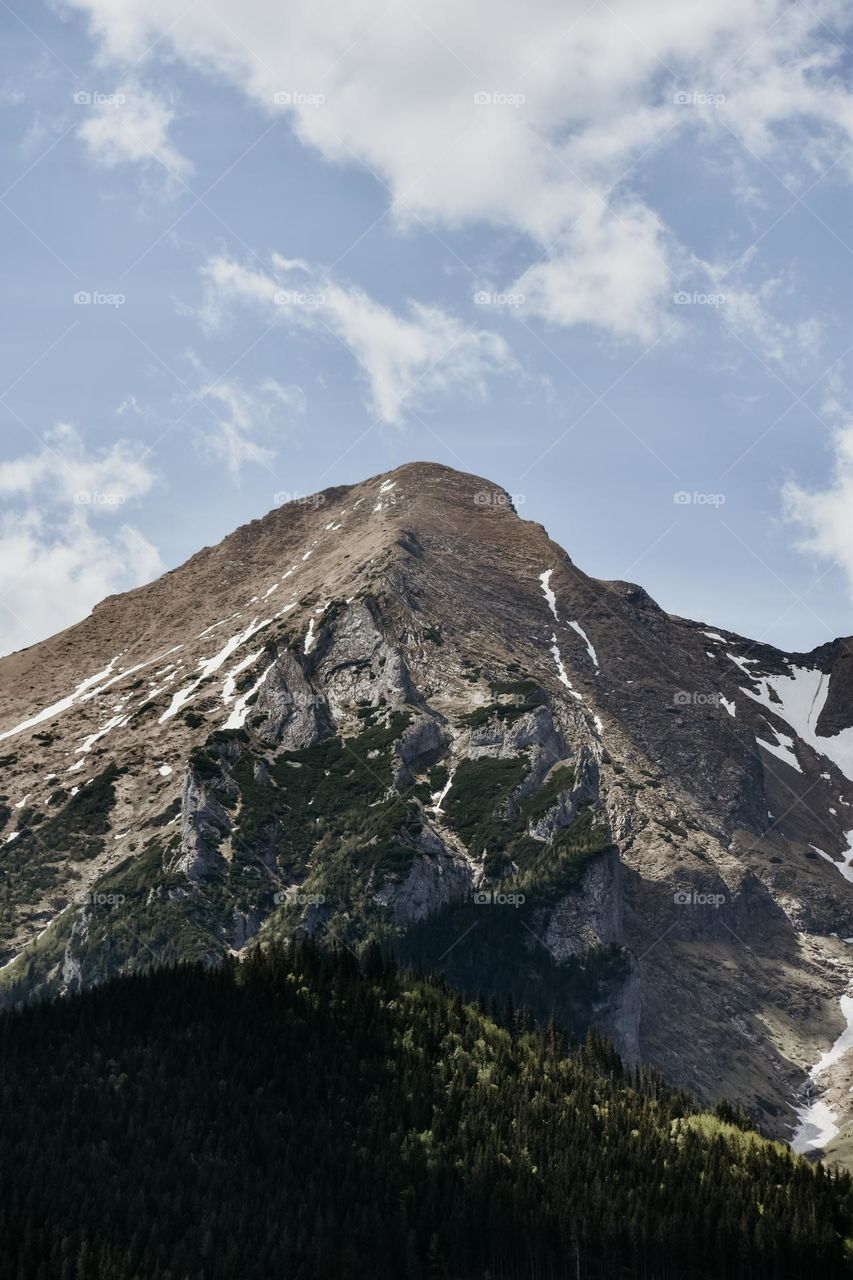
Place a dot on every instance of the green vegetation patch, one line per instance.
(76, 833)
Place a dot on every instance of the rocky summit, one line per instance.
(396, 711)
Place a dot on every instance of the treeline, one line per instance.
(306, 1116)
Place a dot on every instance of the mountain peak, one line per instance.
(355, 712)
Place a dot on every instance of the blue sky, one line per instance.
(598, 253)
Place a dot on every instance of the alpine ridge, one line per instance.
(396, 711)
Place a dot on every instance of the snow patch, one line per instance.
(438, 797)
(229, 688)
(818, 1122)
(88, 743)
(561, 670)
(576, 626)
(237, 718)
(545, 580)
(783, 749)
(64, 704)
(214, 625)
(209, 667)
(845, 866)
(743, 663)
(801, 699)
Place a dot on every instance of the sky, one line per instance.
(599, 253)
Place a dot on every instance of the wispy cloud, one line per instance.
(405, 359)
(56, 558)
(533, 118)
(825, 514)
(130, 125)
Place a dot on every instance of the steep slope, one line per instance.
(397, 710)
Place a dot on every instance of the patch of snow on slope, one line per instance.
(845, 866)
(237, 718)
(229, 688)
(309, 636)
(164, 770)
(214, 625)
(802, 696)
(729, 706)
(545, 580)
(576, 626)
(64, 704)
(714, 635)
(438, 797)
(88, 743)
(387, 486)
(209, 667)
(561, 670)
(744, 663)
(783, 749)
(817, 1119)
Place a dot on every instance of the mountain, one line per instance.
(306, 1115)
(397, 711)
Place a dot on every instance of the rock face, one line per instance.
(398, 711)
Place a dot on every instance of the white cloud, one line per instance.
(406, 360)
(612, 272)
(752, 315)
(130, 125)
(55, 563)
(825, 515)
(394, 88)
(239, 412)
(66, 472)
